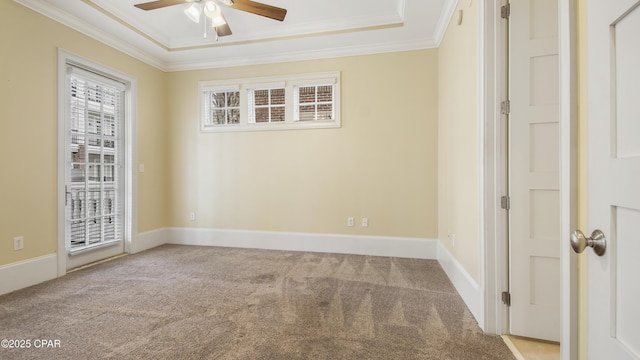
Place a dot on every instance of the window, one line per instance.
(266, 105)
(275, 103)
(220, 107)
(314, 102)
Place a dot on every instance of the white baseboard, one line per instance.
(418, 248)
(26, 273)
(33, 271)
(466, 286)
(149, 239)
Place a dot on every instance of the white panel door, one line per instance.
(613, 78)
(534, 170)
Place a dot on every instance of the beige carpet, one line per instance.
(187, 302)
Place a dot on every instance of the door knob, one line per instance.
(597, 241)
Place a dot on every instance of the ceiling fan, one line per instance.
(212, 11)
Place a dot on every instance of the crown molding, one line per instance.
(354, 24)
(395, 20)
(337, 52)
(85, 28)
(444, 20)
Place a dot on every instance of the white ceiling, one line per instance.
(313, 29)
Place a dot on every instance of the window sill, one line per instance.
(298, 125)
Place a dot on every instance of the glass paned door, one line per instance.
(94, 191)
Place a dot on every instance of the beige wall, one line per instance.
(382, 163)
(28, 129)
(458, 207)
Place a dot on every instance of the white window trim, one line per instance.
(288, 81)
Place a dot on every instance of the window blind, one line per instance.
(314, 101)
(94, 186)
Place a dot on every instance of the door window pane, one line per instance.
(93, 191)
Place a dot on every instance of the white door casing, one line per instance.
(66, 148)
(534, 170)
(613, 155)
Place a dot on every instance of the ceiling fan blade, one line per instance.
(223, 30)
(257, 8)
(152, 5)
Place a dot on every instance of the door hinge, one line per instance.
(506, 298)
(505, 107)
(505, 11)
(505, 202)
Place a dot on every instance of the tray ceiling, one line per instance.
(167, 39)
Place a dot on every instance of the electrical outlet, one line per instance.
(18, 243)
(350, 222)
(192, 216)
(365, 222)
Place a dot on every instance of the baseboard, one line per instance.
(26, 273)
(419, 248)
(466, 286)
(150, 239)
(33, 271)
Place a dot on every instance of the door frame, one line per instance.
(129, 145)
(494, 232)
(569, 137)
(494, 247)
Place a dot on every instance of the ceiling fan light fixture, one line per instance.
(211, 9)
(193, 12)
(217, 20)
(213, 12)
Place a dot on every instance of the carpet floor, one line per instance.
(190, 302)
